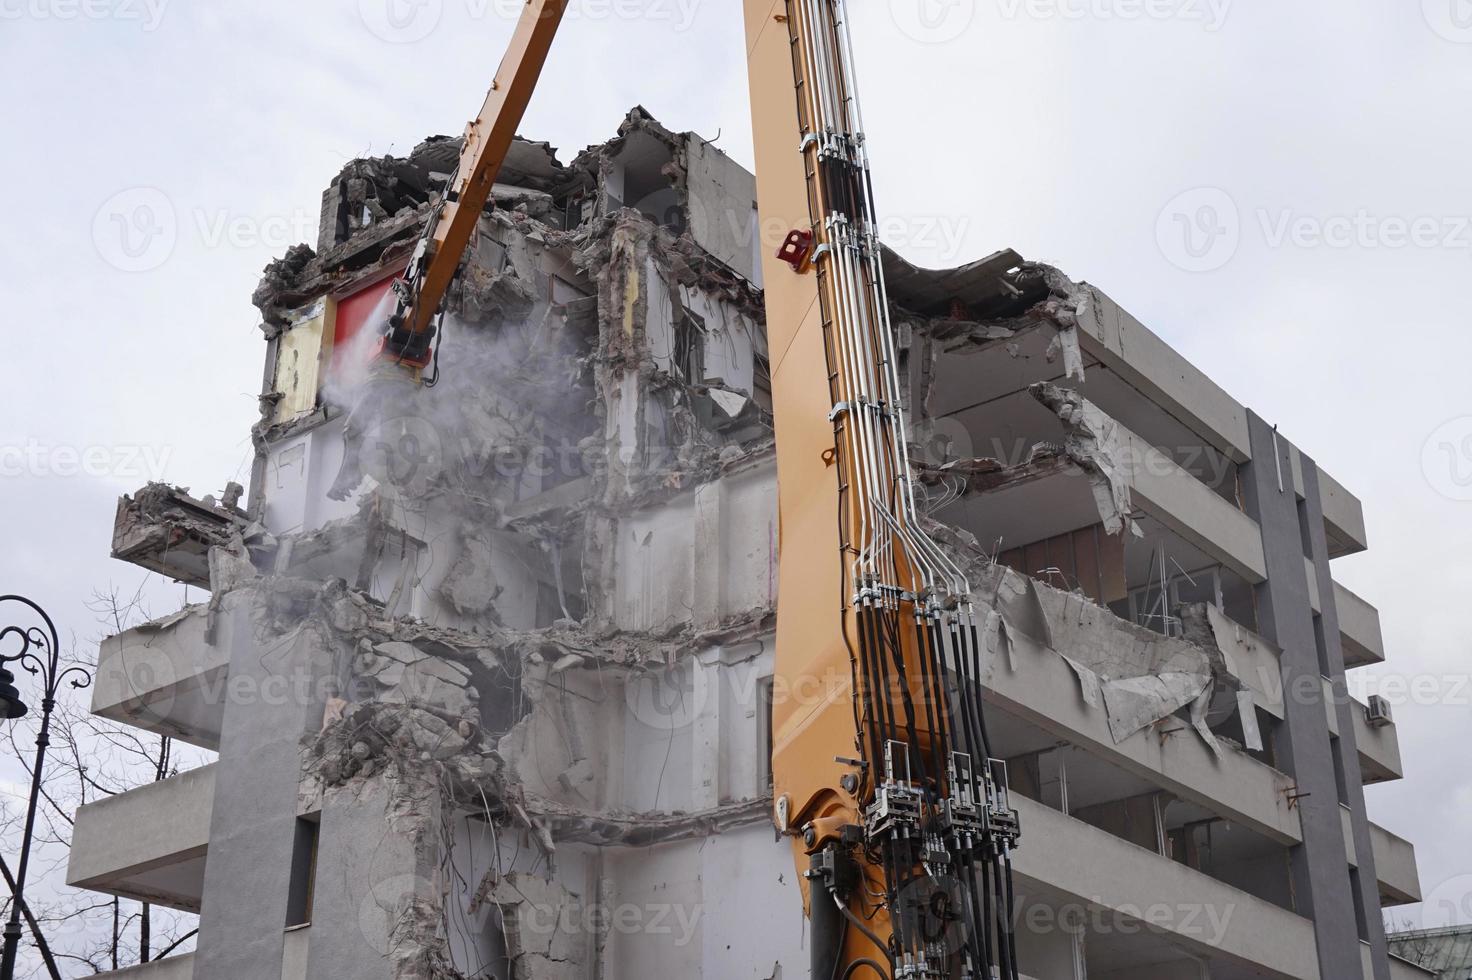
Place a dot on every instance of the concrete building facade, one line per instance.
(489, 669)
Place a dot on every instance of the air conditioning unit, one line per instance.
(1377, 712)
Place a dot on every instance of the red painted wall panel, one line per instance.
(357, 310)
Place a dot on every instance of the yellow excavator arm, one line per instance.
(488, 137)
(884, 778)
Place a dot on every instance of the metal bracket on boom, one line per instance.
(797, 249)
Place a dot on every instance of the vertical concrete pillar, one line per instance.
(705, 729)
(370, 877)
(271, 703)
(1319, 867)
(709, 565)
(1368, 880)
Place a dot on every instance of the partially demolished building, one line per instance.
(490, 696)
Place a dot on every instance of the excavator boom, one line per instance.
(898, 816)
(421, 293)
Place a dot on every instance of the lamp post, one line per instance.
(39, 655)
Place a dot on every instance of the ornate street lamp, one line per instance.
(39, 655)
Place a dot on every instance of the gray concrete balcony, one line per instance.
(1147, 363)
(1192, 510)
(1395, 868)
(1359, 622)
(1196, 526)
(1359, 629)
(164, 677)
(1344, 518)
(1238, 934)
(1378, 746)
(1043, 691)
(147, 844)
(1225, 534)
(1129, 349)
(1256, 664)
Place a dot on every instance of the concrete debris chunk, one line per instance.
(1093, 441)
(403, 674)
(471, 585)
(165, 530)
(1136, 676)
(1065, 342)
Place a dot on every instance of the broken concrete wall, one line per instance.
(289, 492)
(703, 557)
(683, 908)
(723, 217)
(410, 740)
(371, 191)
(732, 910)
(532, 703)
(535, 948)
(568, 743)
(503, 408)
(670, 319)
(527, 269)
(643, 168)
(1136, 676)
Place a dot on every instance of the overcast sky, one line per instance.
(1281, 190)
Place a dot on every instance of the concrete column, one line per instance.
(256, 498)
(1345, 708)
(270, 705)
(1319, 867)
(370, 874)
(329, 218)
(710, 560)
(705, 730)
